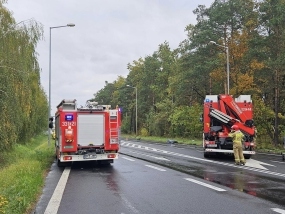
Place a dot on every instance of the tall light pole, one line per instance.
(136, 107)
(228, 65)
(49, 86)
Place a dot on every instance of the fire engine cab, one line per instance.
(90, 133)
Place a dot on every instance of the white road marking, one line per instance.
(277, 161)
(159, 158)
(128, 204)
(209, 161)
(128, 159)
(55, 200)
(205, 185)
(278, 210)
(256, 164)
(157, 168)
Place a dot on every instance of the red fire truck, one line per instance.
(90, 133)
(220, 113)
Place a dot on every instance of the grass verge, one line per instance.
(22, 175)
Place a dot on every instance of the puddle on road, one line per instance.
(262, 186)
(251, 184)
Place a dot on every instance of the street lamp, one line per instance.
(49, 92)
(136, 107)
(228, 64)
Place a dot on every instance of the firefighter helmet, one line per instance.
(235, 127)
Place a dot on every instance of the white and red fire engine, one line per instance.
(220, 113)
(90, 133)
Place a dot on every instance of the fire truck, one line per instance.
(221, 112)
(90, 133)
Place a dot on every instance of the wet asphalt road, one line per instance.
(153, 178)
(263, 175)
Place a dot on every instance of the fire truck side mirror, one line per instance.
(50, 125)
(201, 118)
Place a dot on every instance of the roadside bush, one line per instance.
(23, 175)
(144, 132)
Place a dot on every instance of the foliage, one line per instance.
(25, 167)
(185, 121)
(172, 84)
(23, 102)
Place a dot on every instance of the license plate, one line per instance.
(89, 156)
(212, 145)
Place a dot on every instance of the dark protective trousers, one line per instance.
(239, 158)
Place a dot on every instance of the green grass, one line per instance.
(22, 175)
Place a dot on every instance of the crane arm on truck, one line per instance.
(229, 121)
(221, 112)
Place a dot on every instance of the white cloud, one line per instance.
(108, 35)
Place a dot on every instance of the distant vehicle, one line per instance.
(89, 133)
(172, 141)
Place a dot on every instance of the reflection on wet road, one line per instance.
(259, 181)
(131, 186)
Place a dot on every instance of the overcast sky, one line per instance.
(108, 34)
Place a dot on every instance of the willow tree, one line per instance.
(23, 101)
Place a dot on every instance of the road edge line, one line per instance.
(56, 197)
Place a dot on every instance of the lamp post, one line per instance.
(136, 107)
(49, 86)
(228, 65)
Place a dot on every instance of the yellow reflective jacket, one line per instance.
(237, 136)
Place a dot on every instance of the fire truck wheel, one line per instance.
(60, 164)
(105, 162)
(206, 155)
(247, 156)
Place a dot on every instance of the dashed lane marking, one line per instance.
(157, 168)
(278, 161)
(159, 158)
(278, 210)
(205, 185)
(128, 159)
(55, 200)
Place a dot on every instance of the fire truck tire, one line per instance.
(106, 162)
(61, 164)
(247, 156)
(206, 155)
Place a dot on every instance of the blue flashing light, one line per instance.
(69, 117)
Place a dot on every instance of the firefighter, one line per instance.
(237, 136)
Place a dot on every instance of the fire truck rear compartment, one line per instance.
(91, 130)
